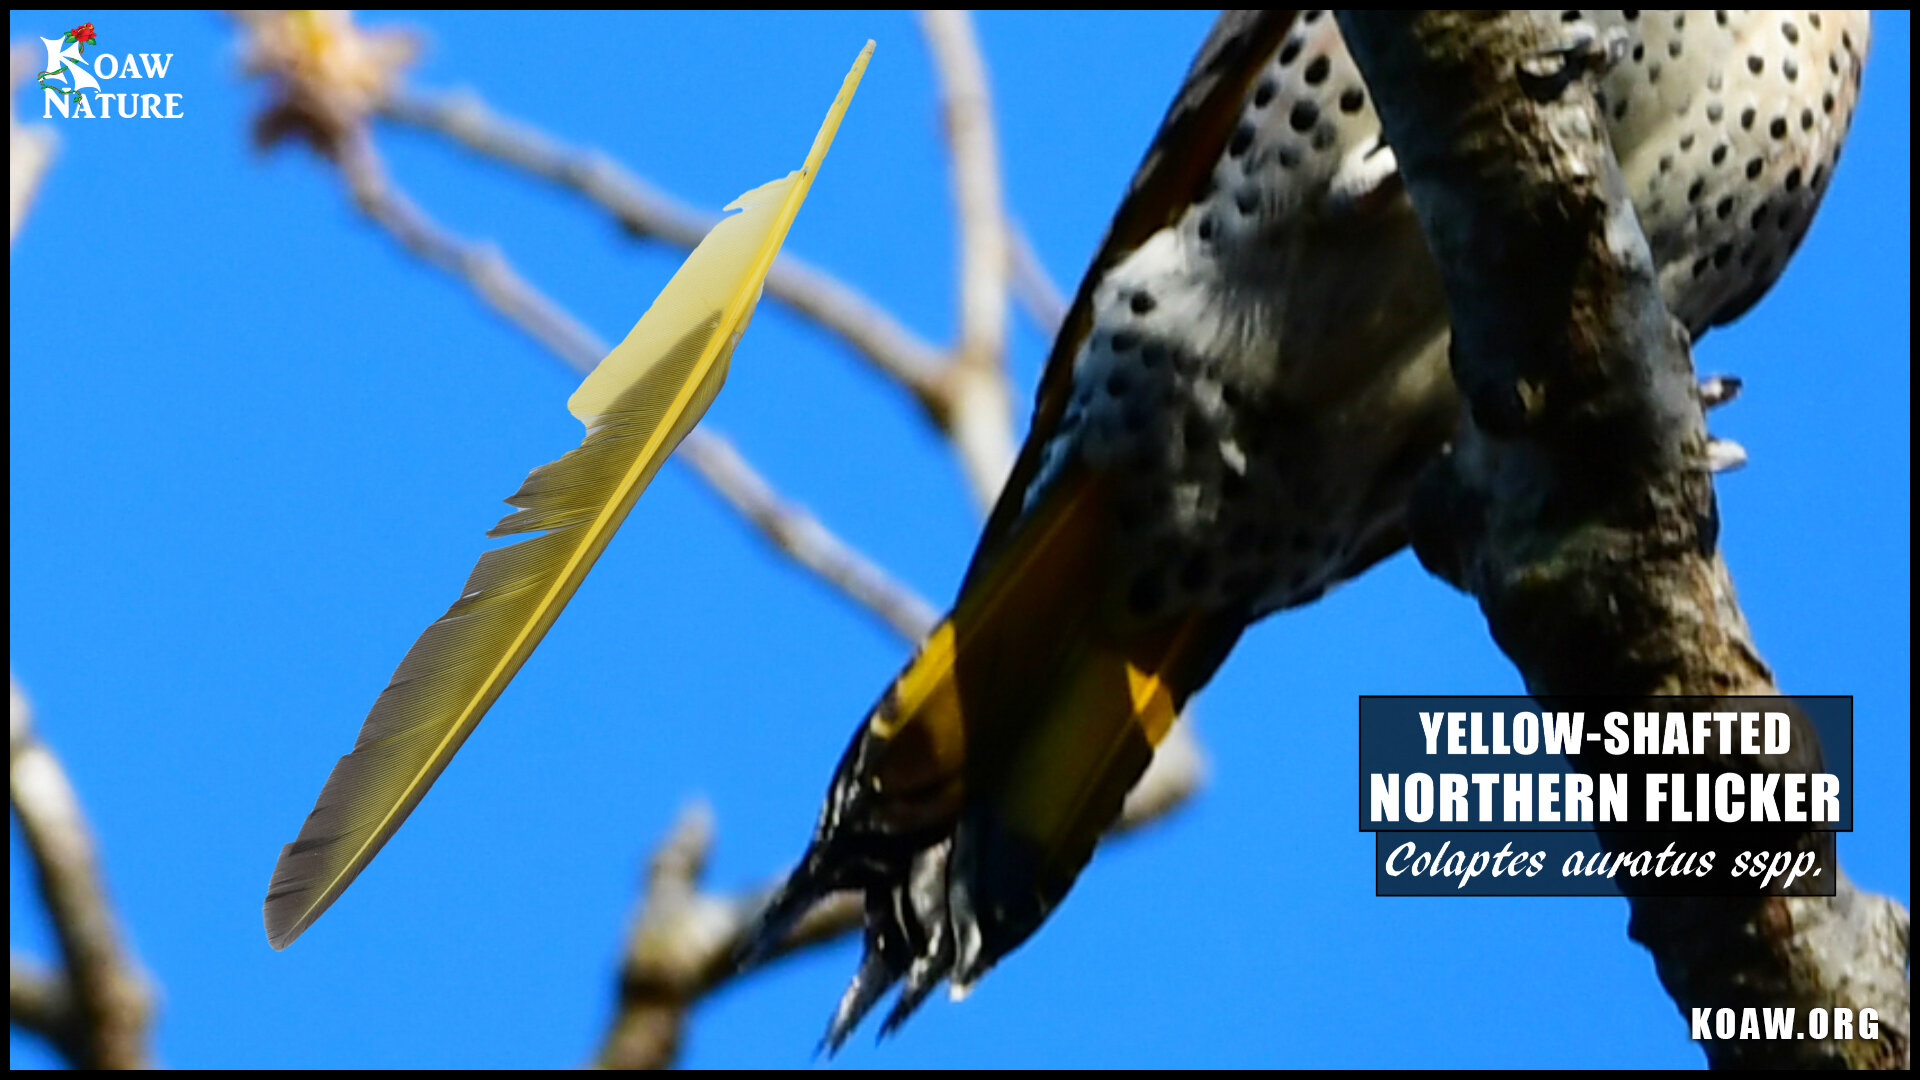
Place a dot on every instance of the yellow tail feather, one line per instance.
(637, 405)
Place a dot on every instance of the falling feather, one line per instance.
(637, 405)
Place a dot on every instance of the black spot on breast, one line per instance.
(1806, 119)
(1720, 154)
(1747, 117)
(1287, 156)
(1790, 69)
(1722, 255)
(1305, 114)
(1242, 139)
(1754, 166)
(1813, 19)
(1759, 217)
(1720, 17)
(1700, 266)
(1290, 51)
(1756, 65)
(1639, 53)
(1695, 189)
(1790, 31)
(1620, 109)
(1313, 16)
(1674, 49)
(1317, 70)
(1246, 200)
(1715, 111)
(1124, 341)
(1778, 129)
(1141, 303)
(1570, 16)
(1206, 228)
(1323, 137)
(1263, 93)
(1725, 209)
(1352, 100)
(1826, 103)
(1666, 163)
(1793, 180)
(1686, 142)
(1819, 174)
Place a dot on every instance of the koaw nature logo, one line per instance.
(72, 82)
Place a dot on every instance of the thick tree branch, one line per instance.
(1578, 504)
(98, 1008)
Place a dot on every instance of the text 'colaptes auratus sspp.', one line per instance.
(1251, 377)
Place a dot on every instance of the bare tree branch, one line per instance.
(40, 1001)
(683, 941)
(29, 148)
(1578, 504)
(980, 421)
(646, 211)
(1034, 288)
(789, 527)
(97, 1011)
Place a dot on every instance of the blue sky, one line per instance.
(254, 449)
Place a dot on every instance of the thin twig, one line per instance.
(646, 211)
(683, 940)
(789, 527)
(1033, 287)
(981, 420)
(98, 1010)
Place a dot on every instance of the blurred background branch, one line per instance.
(97, 1007)
(333, 79)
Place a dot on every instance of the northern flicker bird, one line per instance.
(1251, 376)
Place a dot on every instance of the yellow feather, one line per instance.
(637, 405)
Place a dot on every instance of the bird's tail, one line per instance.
(970, 799)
